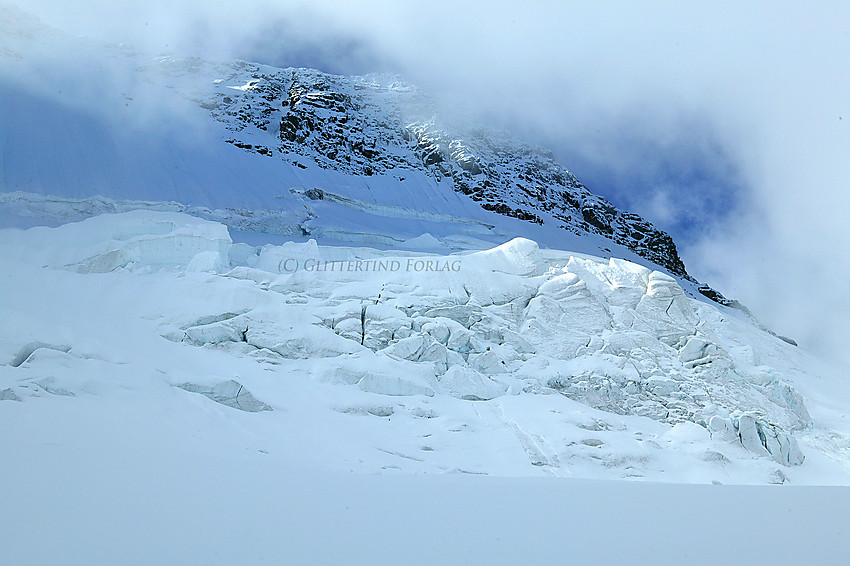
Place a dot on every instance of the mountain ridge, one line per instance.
(371, 138)
(325, 118)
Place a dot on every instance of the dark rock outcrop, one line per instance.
(377, 125)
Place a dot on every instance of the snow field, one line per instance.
(521, 362)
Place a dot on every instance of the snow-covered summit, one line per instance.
(234, 134)
(378, 126)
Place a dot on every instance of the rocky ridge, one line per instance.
(379, 125)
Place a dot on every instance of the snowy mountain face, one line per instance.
(374, 139)
(324, 274)
(378, 125)
(260, 315)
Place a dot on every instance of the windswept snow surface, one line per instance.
(146, 359)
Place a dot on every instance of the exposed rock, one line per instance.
(375, 124)
(314, 194)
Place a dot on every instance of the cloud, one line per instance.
(672, 168)
(725, 122)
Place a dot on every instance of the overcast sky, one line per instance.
(727, 124)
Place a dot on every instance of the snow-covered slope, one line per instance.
(509, 361)
(251, 289)
(304, 157)
(493, 334)
(90, 120)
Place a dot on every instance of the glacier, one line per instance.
(586, 367)
(159, 382)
